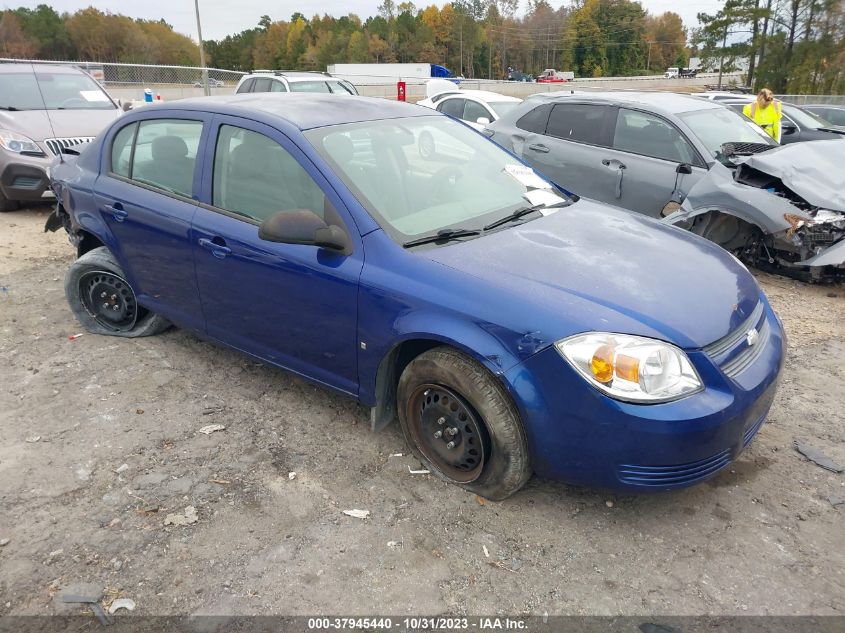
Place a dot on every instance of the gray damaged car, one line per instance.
(696, 163)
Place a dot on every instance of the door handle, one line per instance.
(613, 162)
(538, 147)
(117, 211)
(218, 250)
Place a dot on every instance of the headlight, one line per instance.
(631, 368)
(19, 144)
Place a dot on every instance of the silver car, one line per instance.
(697, 163)
(44, 110)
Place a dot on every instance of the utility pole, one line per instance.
(648, 64)
(461, 71)
(206, 87)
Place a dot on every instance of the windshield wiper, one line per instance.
(443, 235)
(9, 108)
(523, 212)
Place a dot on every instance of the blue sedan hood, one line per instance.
(596, 267)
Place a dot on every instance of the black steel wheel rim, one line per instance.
(109, 300)
(448, 432)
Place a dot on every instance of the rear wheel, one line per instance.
(460, 422)
(103, 300)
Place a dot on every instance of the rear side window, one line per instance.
(121, 151)
(453, 107)
(246, 86)
(535, 120)
(642, 133)
(255, 177)
(581, 122)
(165, 154)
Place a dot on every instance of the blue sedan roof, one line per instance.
(306, 111)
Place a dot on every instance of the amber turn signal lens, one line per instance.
(602, 363)
(628, 368)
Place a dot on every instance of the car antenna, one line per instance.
(46, 111)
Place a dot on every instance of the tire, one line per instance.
(6, 204)
(98, 266)
(506, 464)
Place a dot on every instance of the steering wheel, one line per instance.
(443, 181)
(73, 101)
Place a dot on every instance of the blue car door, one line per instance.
(293, 305)
(146, 196)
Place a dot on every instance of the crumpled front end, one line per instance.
(791, 206)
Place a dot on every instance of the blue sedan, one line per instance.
(509, 325)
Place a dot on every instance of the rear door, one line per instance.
(645, 158)
(146, 195)
(572, 149)
(293, 305)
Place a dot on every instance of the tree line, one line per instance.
(788, 45)
(791, 46)
(473, 38)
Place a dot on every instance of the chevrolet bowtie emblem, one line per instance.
(752, 337)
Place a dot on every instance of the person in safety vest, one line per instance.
(765, 112)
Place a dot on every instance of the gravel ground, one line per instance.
(100, 444)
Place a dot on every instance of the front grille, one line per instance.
(734, 352)
(746, 357)
(729, 341)
(659, 476)
(57, 144)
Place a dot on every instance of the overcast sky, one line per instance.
(224, 17)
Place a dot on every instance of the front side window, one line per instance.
(341, 87)
(642, 133)
(165, 154)
(309, 86)
(580, 122)
(121, 151)
(419, 175)
(474, 111)
(44, 90)
(277, 86)
(255, 177)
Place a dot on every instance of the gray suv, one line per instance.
(697, 163)
(44, 109)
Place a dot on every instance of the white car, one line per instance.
(475, 107)
(293, 81)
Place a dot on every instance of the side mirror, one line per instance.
(126, 106)
(301, 226)
(684, 168)
(483, 120)
(788, 128)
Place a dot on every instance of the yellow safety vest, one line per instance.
(766, 118)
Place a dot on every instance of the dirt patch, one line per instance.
(760, 538)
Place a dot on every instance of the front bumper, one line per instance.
(581, 436)
(25, 177)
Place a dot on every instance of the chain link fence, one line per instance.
(799, 100)
(128, 81)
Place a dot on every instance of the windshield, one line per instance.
(501, 108)
(420, 175)
(61, 91)
(804, 118)
(716, 126)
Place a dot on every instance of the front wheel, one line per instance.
(103, 300)
(460, 422)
